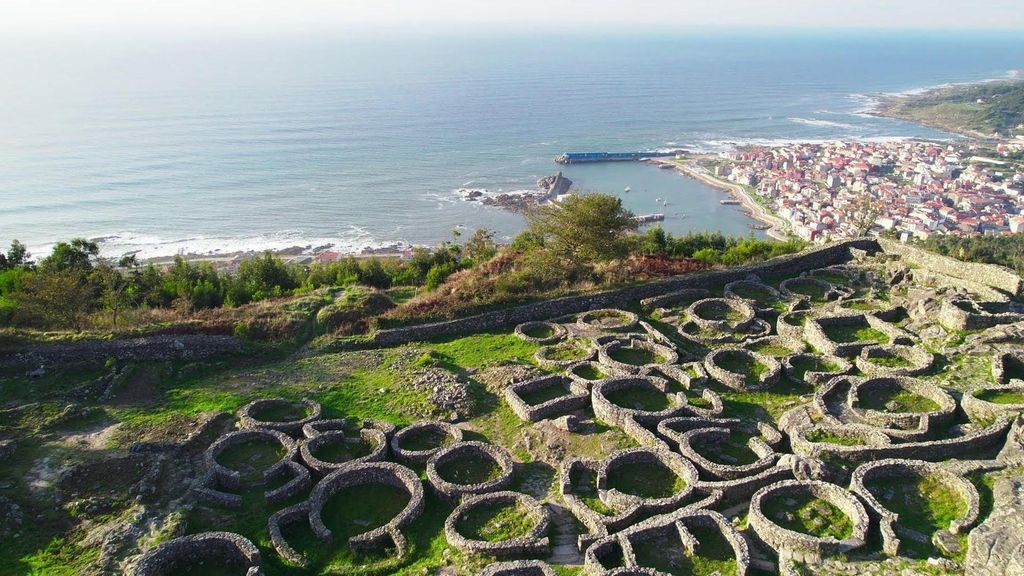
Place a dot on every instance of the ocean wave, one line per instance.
(112, 245)
(817, 123)
(718, 145)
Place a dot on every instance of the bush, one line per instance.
(437, 274)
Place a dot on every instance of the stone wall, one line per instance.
(534, 543)
(804, 547)
(909, 469)
(194, 550)
(991, 275)
(820, 257)
(146, 349)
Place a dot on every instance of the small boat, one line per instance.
(627, 189)
(729, 202)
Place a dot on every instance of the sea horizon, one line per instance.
(366, 144)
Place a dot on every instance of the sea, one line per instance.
(216, 145)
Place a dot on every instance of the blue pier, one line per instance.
(583, 157)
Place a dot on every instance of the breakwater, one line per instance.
(591, 157)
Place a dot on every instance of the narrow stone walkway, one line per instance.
(564, 535)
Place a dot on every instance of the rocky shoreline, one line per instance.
(548, 188)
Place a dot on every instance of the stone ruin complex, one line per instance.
(808, 485)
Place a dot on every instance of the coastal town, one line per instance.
(907, 189)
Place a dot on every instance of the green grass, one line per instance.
(762, 297)
(343, 450)
(469, 470)
(890, 360)
(832, 278)
(750, 368)
(650, 480)
(479, 350)
(666, 554)
(811, 290)
(281, 413)
(718, 310)
(832, 438)
(425, 440)
(776, 350)
(639, 398)
(734, 447)
(808, 515)
(252, 458)
(805, 364)
(1001, 396)
(845, 334)
(902, 400)
(589, 372)
(862, 305)
(924, 503)
(544, 394)
(539, 331)
(573, 349)
(595, 504)
(496, 523)
(636, 356)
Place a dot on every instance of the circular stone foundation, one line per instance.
(278, 414)
(330, 451)
(894, 360)
(992, 402)
(742, 369)
(540, 332)
(900, 403)
(634, 357)
(791, 324)
(787, 516)
(418, 442)
(721, 314)
(499, 524)
(369, 474)
(810, 288)
(608, 319)
(764, 296)
(203, 553)
(469, 468)
(566, 353)
(658, 481)
(248, 461)
(814, 369)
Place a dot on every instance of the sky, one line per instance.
(52, 18)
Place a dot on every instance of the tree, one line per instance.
(75, 256)
(61, 299)
(865, 211)
(480, 245)
(114, 291)
(17, 255)
(655, 242)
(266, 276)
(589, 228)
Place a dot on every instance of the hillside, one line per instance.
(713, 429)
(980, 110)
